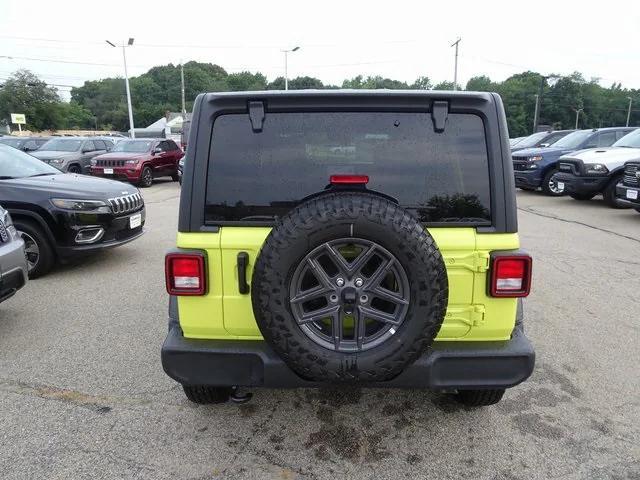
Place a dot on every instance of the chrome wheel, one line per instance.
(553, 186)
(349, 295)
(31, 250)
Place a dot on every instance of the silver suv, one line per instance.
(13, 263)
(72, 154)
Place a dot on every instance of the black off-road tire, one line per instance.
(46, 258)
(74, 169)
(146, 177)
(582, 197)
(609, 194)
(206, 395)
(479, 398)
(175, 177)
(349, 215)
(545, 184)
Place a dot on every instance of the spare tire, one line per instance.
(349, 287)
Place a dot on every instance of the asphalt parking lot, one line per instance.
(83, 395)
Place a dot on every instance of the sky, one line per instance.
(64, 41)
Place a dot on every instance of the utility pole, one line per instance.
(184, 108)
(535, 113)
(455, 68)
(629, 111)
(578, 110)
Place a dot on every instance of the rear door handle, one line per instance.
(243, 262)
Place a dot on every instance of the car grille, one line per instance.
(517, 158)
(126, 203)
(4, 235)
(519, 166)
(110, 163)
(631, 175)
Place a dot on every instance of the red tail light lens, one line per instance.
(510, 276)
(349, 179)
(185, 274)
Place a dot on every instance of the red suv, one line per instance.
(139, 161)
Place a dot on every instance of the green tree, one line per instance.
(422, 83)
(25, 93)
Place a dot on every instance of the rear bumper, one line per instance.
(585, 185)
(446, 366)
(13, 268)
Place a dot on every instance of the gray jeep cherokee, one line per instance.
(13, 264)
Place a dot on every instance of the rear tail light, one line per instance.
(349, 179)
(510, 275)
(185, 274)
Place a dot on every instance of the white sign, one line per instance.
(18, 118)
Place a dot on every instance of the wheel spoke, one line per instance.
(319, 314)
(319, 273)
(359, 327)
(379, 274)
(378, 316)
(337, 258)
(307, 295)
(362, 259)
(336, 328)
(388, 295)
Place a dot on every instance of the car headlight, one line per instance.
(87, 206)
(131, 162)
(57, 160)
(596, 168)
(94, 162)
(535, 158)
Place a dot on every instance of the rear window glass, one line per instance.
(440, 177)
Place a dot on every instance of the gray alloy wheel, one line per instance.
(553, 186)
(146, 177)
(31, 251)
(349, 295)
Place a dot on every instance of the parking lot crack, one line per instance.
(576, 222)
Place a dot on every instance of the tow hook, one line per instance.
(238, 397)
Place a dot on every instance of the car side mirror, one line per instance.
(85, 150)
(157, 151)
(545, 144)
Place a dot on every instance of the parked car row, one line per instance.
(59, 215)
(583, 164)
(137, 161)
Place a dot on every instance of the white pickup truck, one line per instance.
(586, 173)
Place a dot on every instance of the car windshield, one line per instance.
(631, 140)
(133, 146)
(16, 164)
(573, 140)
(13, 142)
(532, 140)
(62, 145)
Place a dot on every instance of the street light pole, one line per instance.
(184, 109)
(629, 110)
(536, 112)
(578, 115)
(286, 66)
(126, 81)
(455, 68)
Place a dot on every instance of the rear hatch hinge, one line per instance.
(476, 261)
(473, 315)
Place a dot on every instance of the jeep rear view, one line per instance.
(348, 237)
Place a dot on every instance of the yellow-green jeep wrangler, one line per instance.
(348, 237)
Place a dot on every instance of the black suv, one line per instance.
(61, 215)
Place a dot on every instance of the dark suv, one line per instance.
(26, 144)
(351, 237)
(60, 215)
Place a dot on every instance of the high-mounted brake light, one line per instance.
(510, 276)
(185, 274)
(349, 179)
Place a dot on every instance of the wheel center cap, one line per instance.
(349, 295)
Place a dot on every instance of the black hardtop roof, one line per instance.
(432, 94)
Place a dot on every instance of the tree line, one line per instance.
(102, 104)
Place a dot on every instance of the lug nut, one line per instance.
(340, 281)
(333, 298)
(364, 299)
(359, 282)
